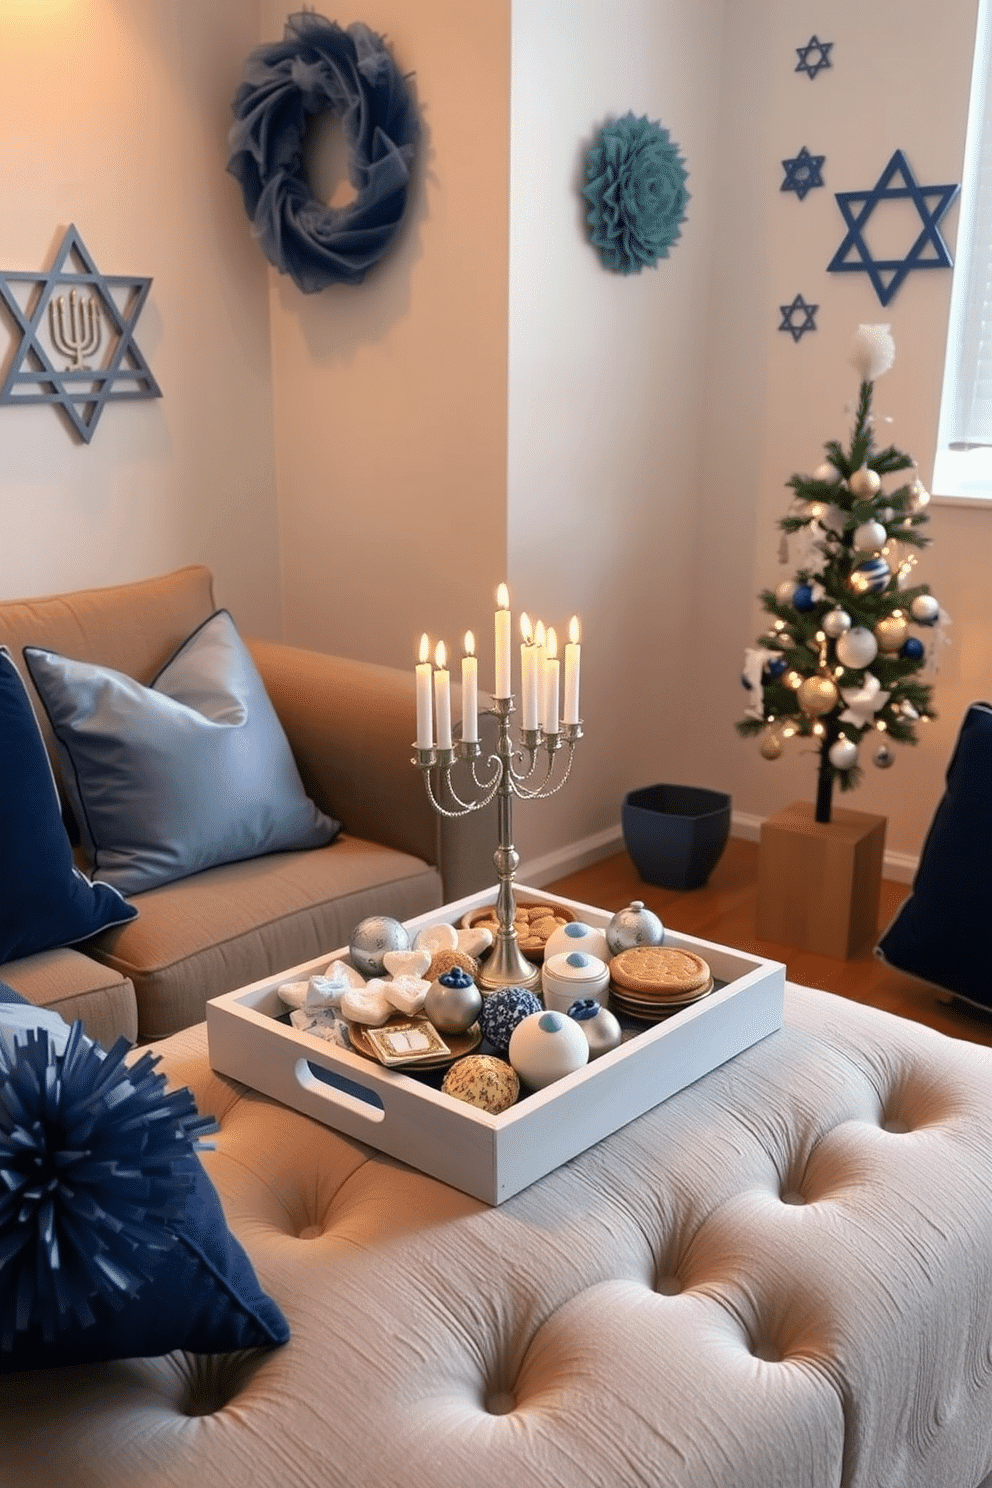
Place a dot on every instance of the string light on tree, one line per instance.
(852, 604)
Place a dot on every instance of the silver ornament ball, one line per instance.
(835, 623)
(634, 926)
(371, 940)
(865, 482)
(883, 757)
(869, 537)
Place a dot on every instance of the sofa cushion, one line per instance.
(128, 1255)
(78, 987)
(939, 932)
(219, 930)
(45, 900)
(170, 779)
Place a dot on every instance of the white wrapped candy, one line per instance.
(367, 1005)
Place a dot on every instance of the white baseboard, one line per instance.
(900, 867)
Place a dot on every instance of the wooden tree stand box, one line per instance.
(492, 1157)
(819, 882)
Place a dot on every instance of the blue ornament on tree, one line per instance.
(870, 577)
(774, 668)
(911, 650)
(803, 597)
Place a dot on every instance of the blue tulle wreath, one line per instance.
(93, 1168)
(319, 68)
(635, 186)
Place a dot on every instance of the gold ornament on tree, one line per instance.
(891, 632)
(817, 696)
(771, 747)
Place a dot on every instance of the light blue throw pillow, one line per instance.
(168, 780)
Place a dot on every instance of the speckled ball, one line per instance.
(372, 938)
(480, 1080)
(502, 1011)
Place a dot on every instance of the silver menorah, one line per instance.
(513, 769)
(75, 328)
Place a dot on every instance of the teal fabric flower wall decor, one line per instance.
(635, 186)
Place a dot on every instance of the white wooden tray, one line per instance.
(492, 1157)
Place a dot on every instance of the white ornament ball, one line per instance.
(924, 609)
(843, 754)
(869, 537)
(785, 592)
(827, 473)
(771, 747)
(865, 482)
(836, 623)
(884, 757)
(547, 1046)
(919, 496)
(858, 648)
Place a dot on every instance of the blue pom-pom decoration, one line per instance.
(635, 187)
(456, 977)
(912, 650)
(93, 1167)
(502, 1011)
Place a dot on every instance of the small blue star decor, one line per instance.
(803, 172)
(928, 250)
(788, 321)
(809, 63)
(75, 315)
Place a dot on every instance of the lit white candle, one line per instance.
(470, 691)
(552, 668)
(528, 675)
(442, 696)
(572, 659)
(425, 716)
(503, 684)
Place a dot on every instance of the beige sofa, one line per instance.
(350, 726)
(780, 1278)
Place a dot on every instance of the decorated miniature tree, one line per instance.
(839, 662)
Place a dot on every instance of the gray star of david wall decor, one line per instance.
(74, 340)
(789, 313)
(927, 251)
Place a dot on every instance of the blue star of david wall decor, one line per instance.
(810, 63)
(788, 321)
(66, 315)
(928, 250)
(803, 172)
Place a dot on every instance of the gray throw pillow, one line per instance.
(171, 779)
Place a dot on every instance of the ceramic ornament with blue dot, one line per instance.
(502, 1011)
(577, 936)
(545, 1047)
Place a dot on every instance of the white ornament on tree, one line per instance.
(863, 702)
(869, 537)
(865, 482)
(836, 623)
(858, 648)
(843, 753)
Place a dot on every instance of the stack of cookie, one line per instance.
(649, 982)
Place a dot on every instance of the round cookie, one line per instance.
(663, 971)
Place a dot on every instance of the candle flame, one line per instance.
(425, 647)
(469, 643)
(539, 634)
(440, 656)
(503, 597)
(573, 630)
(526, 629)
(551, 644)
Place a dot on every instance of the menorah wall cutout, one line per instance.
(100, 309)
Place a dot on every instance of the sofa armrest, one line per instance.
(350, 725)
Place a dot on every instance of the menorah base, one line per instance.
(508, 967)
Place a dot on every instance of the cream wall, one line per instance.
(899, 79)
(113, 115)
(390, 396)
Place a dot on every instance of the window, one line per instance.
(964, 444)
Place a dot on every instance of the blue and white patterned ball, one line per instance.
(502, 1011)
(870, 577)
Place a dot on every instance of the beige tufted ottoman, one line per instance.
(781, 1278)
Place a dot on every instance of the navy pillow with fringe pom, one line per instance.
(113, 1243)
(939, 933)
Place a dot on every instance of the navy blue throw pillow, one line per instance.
(113, 1243)
(44, 900)
(939, 933)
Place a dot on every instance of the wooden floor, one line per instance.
(725, 911)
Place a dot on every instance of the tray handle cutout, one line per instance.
(340, 1090)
